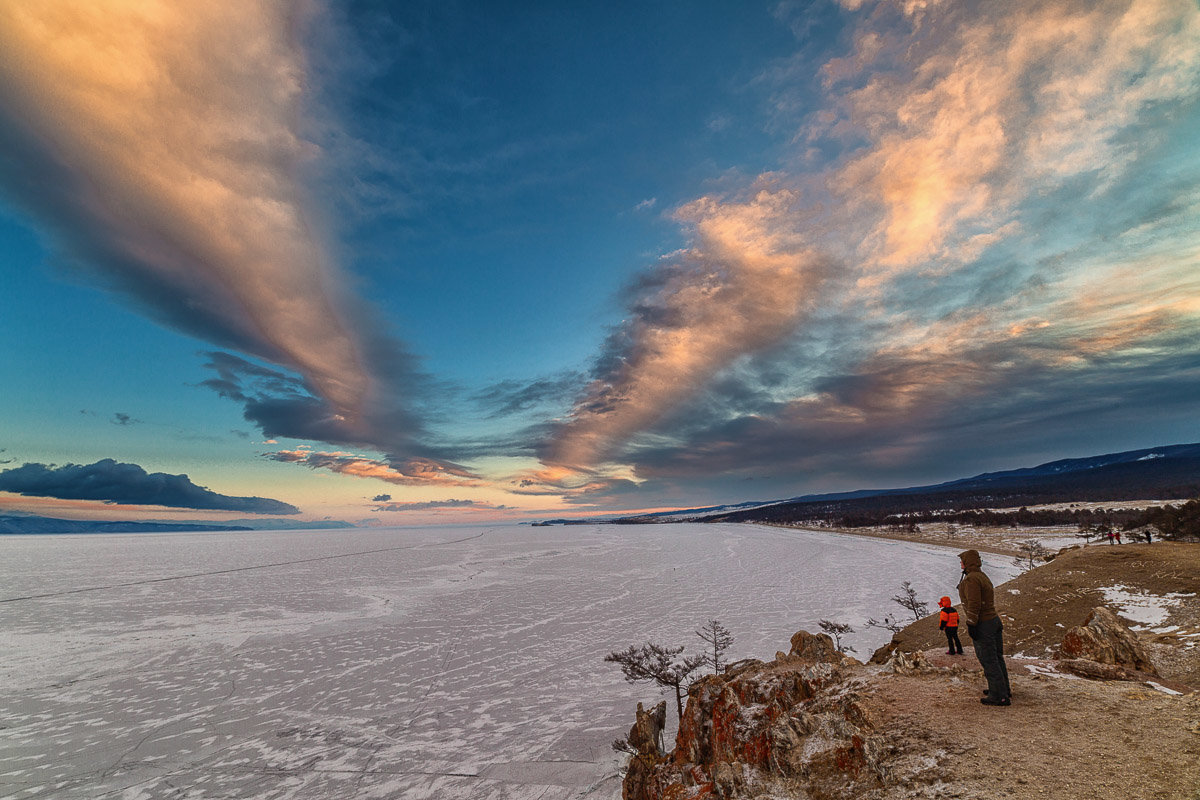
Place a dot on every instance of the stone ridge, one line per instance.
(792, 726)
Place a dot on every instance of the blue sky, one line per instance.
(434, 262)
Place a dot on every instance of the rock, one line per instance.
(1103, 638)
(791, 727)
(884, 653)
(903, 663)
(814, 648)
(645, 738)
(1086, 668)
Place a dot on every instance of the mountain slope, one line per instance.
(1161, 473)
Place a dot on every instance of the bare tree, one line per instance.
(888, 623)
(664, 666)
(717, 640)
(837, 630)
(1031, 551)
(907, 599)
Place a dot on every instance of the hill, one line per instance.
(1161, 473)
(34, 524)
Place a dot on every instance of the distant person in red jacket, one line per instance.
(949, 624)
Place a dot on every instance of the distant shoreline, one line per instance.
(972, 540)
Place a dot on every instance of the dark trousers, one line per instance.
(988, 638)
(953, 643)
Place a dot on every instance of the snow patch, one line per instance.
(1141, 607)
(1163, 689)
(1049, 672)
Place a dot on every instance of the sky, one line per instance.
(460, 261)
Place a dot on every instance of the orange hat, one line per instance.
(944, 602)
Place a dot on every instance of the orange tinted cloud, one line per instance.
(172, 133)
(407, 472)
(998, 106)
(744, 283)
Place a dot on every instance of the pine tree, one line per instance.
(654, 663)
(717, 640)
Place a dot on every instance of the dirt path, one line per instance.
(1063, 738)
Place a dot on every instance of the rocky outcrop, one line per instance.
(644, 743)
(1105, 640)
(814, 649)
(793, 726)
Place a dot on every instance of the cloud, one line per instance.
(989, 107)
(744, 284)
(401, 472)
(123, 419)
(438, 504)
(110, 481)
(381, 498)
(1011, 207)
(281, 405)
(163, 145)
(513, 397)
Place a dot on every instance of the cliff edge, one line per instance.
(813, 723)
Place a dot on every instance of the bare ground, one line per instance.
(1063, 737)
(1002, 540)
(1039, 606)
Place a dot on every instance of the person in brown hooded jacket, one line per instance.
(984, 627)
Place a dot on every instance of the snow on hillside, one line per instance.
(440, 663)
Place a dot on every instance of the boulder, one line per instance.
(1105, 639)
(814, 648)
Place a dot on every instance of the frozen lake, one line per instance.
(390, 663)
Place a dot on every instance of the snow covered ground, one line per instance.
(434, 663)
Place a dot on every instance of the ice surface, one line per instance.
(442, 663)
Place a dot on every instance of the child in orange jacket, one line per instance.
(949, 624)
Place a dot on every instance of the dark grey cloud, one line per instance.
(282, 405)
(110, 481)
(955, 420)
(381, 498)
(123, 419)
(513, 397)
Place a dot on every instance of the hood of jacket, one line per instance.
(971, 561)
